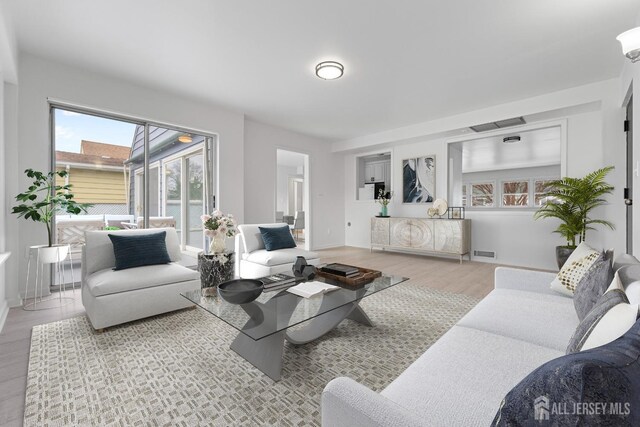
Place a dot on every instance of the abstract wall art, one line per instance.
(419, 179)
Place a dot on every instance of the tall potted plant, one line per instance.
(41, 201)
(571, 200)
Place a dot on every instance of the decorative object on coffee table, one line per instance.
(302, 269)
(571, 200)
(363, 277)
(218, 227)
(240, 291)
(214, 269)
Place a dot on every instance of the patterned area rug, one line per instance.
(177, 369)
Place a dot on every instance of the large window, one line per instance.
(134, 175)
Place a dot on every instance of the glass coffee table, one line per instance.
(265, 323)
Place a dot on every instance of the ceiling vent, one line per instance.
(498, 125)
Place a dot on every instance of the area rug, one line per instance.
(177, 369)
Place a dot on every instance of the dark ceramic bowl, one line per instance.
(240, 291)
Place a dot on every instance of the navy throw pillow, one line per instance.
(600, 387)
(139, 250)
(277, 238)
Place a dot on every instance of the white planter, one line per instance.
(52, 254)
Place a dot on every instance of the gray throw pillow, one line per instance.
(592, 286)
(605, 303)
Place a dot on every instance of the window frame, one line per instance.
(533, 188)
(528, 193)
(470, 194)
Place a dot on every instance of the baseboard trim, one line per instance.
(4, 311)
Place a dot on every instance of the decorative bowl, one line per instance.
(240, 291)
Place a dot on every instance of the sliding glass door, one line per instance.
(134, 175)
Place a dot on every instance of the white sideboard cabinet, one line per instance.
(430, 236)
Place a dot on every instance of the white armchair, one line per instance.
(253, 260)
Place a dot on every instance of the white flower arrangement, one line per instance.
(219, 225)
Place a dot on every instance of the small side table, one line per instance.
(46, 255)
(214, 269)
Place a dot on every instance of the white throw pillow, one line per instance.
(633, 292)
(572, 271)
(614, 324)
(616, 283)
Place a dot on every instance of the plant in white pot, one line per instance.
(41, 201)
(571, 200)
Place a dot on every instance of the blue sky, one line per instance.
(71, 128)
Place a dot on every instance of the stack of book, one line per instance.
(278, 281)
(341, 270)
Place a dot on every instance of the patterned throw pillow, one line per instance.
(567, 390)
(592, 286)
(578, 264)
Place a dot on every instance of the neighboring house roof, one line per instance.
(103, 150)
(86, 159)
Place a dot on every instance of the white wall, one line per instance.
(593, 140)
(282, 186)
(41, 79)
(4, 307)
(326, 180)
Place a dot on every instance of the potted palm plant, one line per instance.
(41, 201)
(571, 200)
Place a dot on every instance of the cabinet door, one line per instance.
(369, 173)
(380, 231)
(400, 232)
(450, 236)
(378, 171)
(422, 234)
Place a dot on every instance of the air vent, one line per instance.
(485, 254)
(498, 125)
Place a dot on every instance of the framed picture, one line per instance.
(419, 179)
(456, 212)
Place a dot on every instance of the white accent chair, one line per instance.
(113, 297)
(253, 260)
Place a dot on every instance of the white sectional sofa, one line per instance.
(254, 261)
(114, 297)
(463, 377)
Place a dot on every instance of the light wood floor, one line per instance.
(471, 278)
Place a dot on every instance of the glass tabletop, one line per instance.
(273, 312)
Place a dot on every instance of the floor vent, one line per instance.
(500, 124)
(485, 254)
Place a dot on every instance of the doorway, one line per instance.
(292, 194)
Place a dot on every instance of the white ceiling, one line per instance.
(406, 61)
(540, 147)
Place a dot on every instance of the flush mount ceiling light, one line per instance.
(630, 41)
(185, 138)
(511, 139)
(329, 70)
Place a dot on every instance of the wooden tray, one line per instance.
(366, 275)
